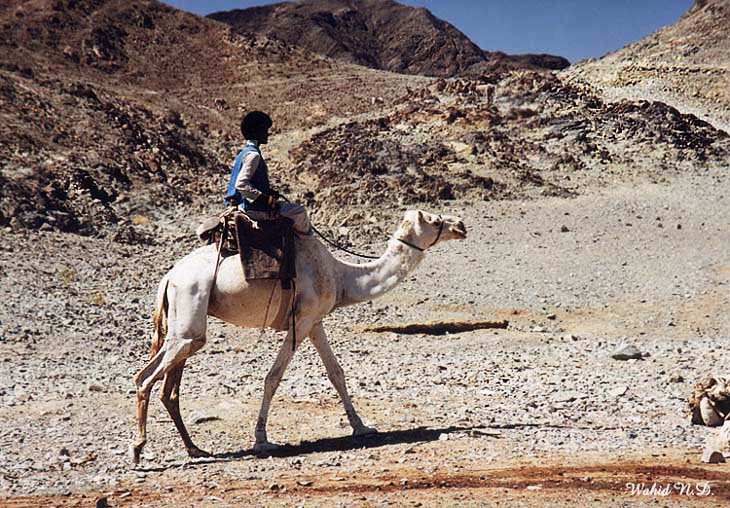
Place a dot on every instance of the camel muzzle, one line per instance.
(459, 230)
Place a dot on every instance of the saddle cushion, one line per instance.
(266, 247)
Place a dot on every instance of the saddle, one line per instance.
(266, 247)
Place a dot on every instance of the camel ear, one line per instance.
(421, 217)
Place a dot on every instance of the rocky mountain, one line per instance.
(115, 115)
(114, 109)
(686, 64)
(380, 34)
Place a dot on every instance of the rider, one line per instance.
(249, 187)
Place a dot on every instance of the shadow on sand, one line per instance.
(417, 435)
(394, 437)
(408, 436)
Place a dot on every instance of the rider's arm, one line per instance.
(243, 182)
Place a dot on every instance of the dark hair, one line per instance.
(253, 123)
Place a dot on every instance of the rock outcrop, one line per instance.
(686, 65)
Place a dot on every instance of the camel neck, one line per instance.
(361, 283)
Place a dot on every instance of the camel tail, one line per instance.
(159, 318)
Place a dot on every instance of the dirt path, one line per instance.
(606, 484)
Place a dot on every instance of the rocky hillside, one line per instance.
(381, 34)
(110, 110)
(521, 135)
(686, 64)
(113, 114)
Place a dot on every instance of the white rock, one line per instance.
(567, 396)
(626, 352)
(618, 391)
(199, 417)
(709, 415)
(712, 456)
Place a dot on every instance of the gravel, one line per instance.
(75, 328)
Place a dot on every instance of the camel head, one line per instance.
(424, 229)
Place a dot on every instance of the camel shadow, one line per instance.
(394, 437)
(418, 435)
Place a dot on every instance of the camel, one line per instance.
(192, 290)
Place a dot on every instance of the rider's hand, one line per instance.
(266, 201)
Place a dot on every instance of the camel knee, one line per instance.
(170, 399)
(197, 344)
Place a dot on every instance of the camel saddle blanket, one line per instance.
(266, 247)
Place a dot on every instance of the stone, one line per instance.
(567, 396)
(198, 417)
(709, 415)
(626, 352)
(712, 456)
(618, 391)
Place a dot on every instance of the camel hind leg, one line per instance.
(170, 355)
(186, 332)
(170, 396)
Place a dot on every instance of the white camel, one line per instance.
(189, 293)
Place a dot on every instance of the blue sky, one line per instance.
(575, 29)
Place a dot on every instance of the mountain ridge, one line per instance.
(380, 34)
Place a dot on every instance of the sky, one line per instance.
(575, 29)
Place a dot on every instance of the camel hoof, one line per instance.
(196, 452)
(265, 446)
(364, 431)
(134, 453)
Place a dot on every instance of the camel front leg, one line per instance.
(337, 377)
(271, 383)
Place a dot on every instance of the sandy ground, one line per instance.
(534, 415)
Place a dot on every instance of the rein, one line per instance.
(340, 247)
(366, 256)
(422, 249)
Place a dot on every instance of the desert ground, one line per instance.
(597, 222)
(537, 414)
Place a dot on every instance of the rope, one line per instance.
(340, 247)
(332, 242)
(220, 248)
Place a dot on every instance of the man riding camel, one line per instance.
(249, 187)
